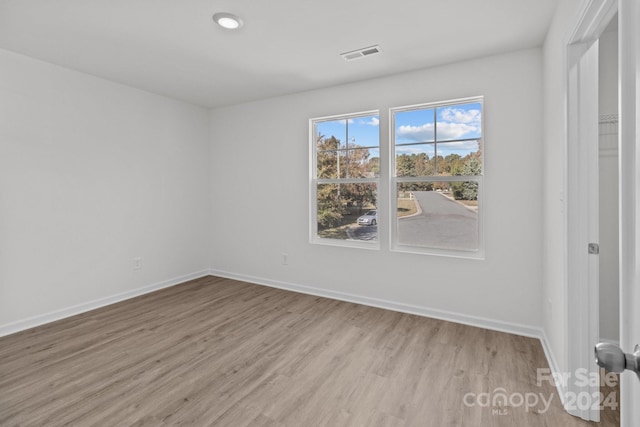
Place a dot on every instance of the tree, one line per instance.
(440, 164)
(359, 195)
(405, 165)
(326, 157)
(356, 162)
(471, 167)
(453, 164)
(421, 164)
(374, 165)
(333, 200)
(330, 208)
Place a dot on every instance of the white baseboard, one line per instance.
(553, 365)
(481, 322)
(41, 319)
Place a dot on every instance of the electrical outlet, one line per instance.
(137, 263)
(285, 259)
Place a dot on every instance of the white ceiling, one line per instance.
(172, 47)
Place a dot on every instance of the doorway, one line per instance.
(592, 111)
(582, 170)
(609, 307)
(608, 206)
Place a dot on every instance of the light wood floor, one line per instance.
(220, 352)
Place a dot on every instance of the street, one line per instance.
(367, 232)
(443, 223)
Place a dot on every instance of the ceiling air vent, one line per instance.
(361, 53)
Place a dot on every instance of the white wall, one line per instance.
(609, 257)
(260, 155)
(554, 289)
(93, 174)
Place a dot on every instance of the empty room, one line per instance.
(338, 213)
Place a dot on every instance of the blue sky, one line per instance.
(454, 122)
(363, 131)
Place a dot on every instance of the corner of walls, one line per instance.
(556, 371)
(554, 283)
(61, 313)
(93, 176)
(273, 178)
(431, 312)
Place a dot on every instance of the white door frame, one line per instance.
(629, 105)
(581, 217)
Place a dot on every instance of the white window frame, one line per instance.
(478, 253)
(314, 181)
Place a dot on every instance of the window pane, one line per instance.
(356, 163)
(346, 150)
(364, 131)
(331, 134)
(415, 160)
(461, 121)
(361, 163)
(327, 164)
(372, 168)
(347, 211)
(348, 133)
(414, 126)
(459, 158)
(442, 215)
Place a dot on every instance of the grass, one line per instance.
(339, 233)
(468, 202)
(472, 203)
(348, 220)
(406, 207)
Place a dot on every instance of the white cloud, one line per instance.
(416, 133)
(446, 131)
(458, 115)
(373, 122)
(444, 149)
(413, 149)
(459, 147)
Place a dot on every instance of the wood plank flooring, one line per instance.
(218, 352)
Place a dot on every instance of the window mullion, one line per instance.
(435, 141)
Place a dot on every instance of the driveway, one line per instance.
(363, 232)
(443, 223)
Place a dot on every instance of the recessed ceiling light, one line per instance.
(227, 21)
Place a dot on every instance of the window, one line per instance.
(437, 167)
(435, 179)
(345, 170)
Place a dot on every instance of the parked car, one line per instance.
(369, 218)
